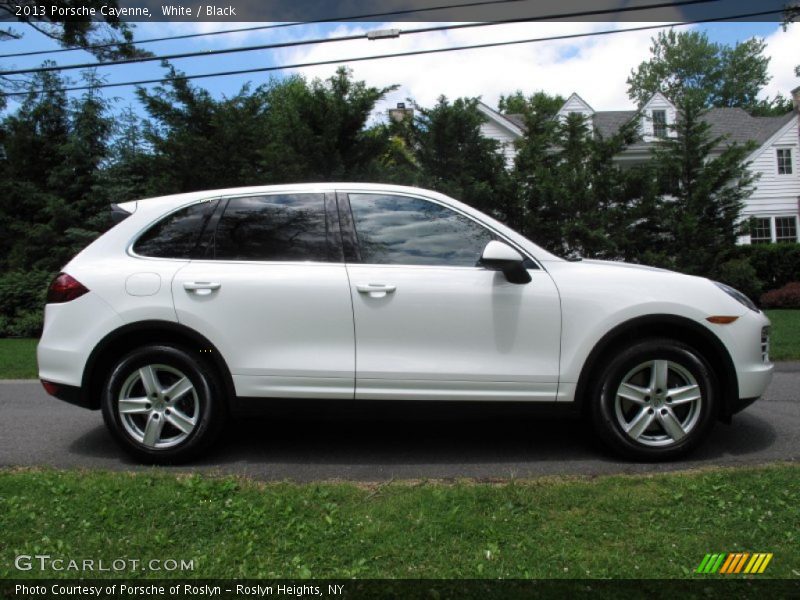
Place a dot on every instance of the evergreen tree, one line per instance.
(574, 194)
(317, 131)
(703, 191)
(456, 159)
(128, 172)
(200, 143)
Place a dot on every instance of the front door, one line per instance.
(430, 323)
(272, 294)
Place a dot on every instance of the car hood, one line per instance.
(623, 265)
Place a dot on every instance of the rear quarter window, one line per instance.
(177, 234)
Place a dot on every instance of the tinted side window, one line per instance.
(285, 227)
(396, 230)
(176, 235)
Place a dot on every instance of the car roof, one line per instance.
(188, 197)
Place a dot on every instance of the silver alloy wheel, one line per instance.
(158, 406)
(658, 403)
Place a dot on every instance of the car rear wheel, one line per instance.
(162, 404)
(656, 400)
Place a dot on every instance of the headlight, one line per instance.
(737, 295)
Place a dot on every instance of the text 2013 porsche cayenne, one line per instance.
(201, 305)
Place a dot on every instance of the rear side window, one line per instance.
(280, 227)
(176, 235)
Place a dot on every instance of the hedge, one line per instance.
(775, 264)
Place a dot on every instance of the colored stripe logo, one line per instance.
(735, 562)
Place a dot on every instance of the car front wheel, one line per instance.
(162, 405)
(656, 400)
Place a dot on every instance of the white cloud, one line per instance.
(783, 48)
(595, 67)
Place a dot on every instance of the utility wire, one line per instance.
(375, 34)
(402, 54)
(262, 27)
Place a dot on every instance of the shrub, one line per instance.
(22, 296)
(740, 274)
(786, 297)
(775, 264)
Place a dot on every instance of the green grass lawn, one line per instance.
(18, 358)
(785, 334)
(657, 526)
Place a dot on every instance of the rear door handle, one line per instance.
(201, 288)
(376, 290)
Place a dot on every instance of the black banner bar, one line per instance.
(401, 589)
(388, 10)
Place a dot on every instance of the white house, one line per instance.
(774, 205)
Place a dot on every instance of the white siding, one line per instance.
(575, 104)
(504, 137)
(776, 194)
(657, 102)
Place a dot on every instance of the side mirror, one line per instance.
(498, 256)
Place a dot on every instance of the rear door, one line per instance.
(270, 291)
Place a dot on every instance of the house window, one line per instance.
(785, 229)
(660, 123)
(760, 230)
(765, 230)
(784, 161)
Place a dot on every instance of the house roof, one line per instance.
(738, 126)
(734, 124)
(518, 120)
(608, 122)
(516, 126)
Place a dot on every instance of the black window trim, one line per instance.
(165, 216)
(333, 237)
(350, 236)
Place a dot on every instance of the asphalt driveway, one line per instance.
(36, 429)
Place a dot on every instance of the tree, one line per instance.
(54, 153)
(572, 190)
(127, 174)
(722, 75)
(456, 159)
(318, 130)
(196, 142)
(74, 32)
(106, 37)
(540, 102)
(703, 191)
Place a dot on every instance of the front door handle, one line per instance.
(201, 288)
(376, 290)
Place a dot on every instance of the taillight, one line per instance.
(50, 387)
(65, 288)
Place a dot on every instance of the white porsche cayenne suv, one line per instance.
(199, 306)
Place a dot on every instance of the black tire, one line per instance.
(610, 414)
(203, 403)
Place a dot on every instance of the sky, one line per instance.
(595, 67)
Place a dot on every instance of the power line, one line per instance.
(263, 27)
(402, 54)
(369, 35)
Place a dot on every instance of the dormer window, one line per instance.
(784, 161)
(660, 123)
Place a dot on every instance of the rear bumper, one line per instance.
(68, 393)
